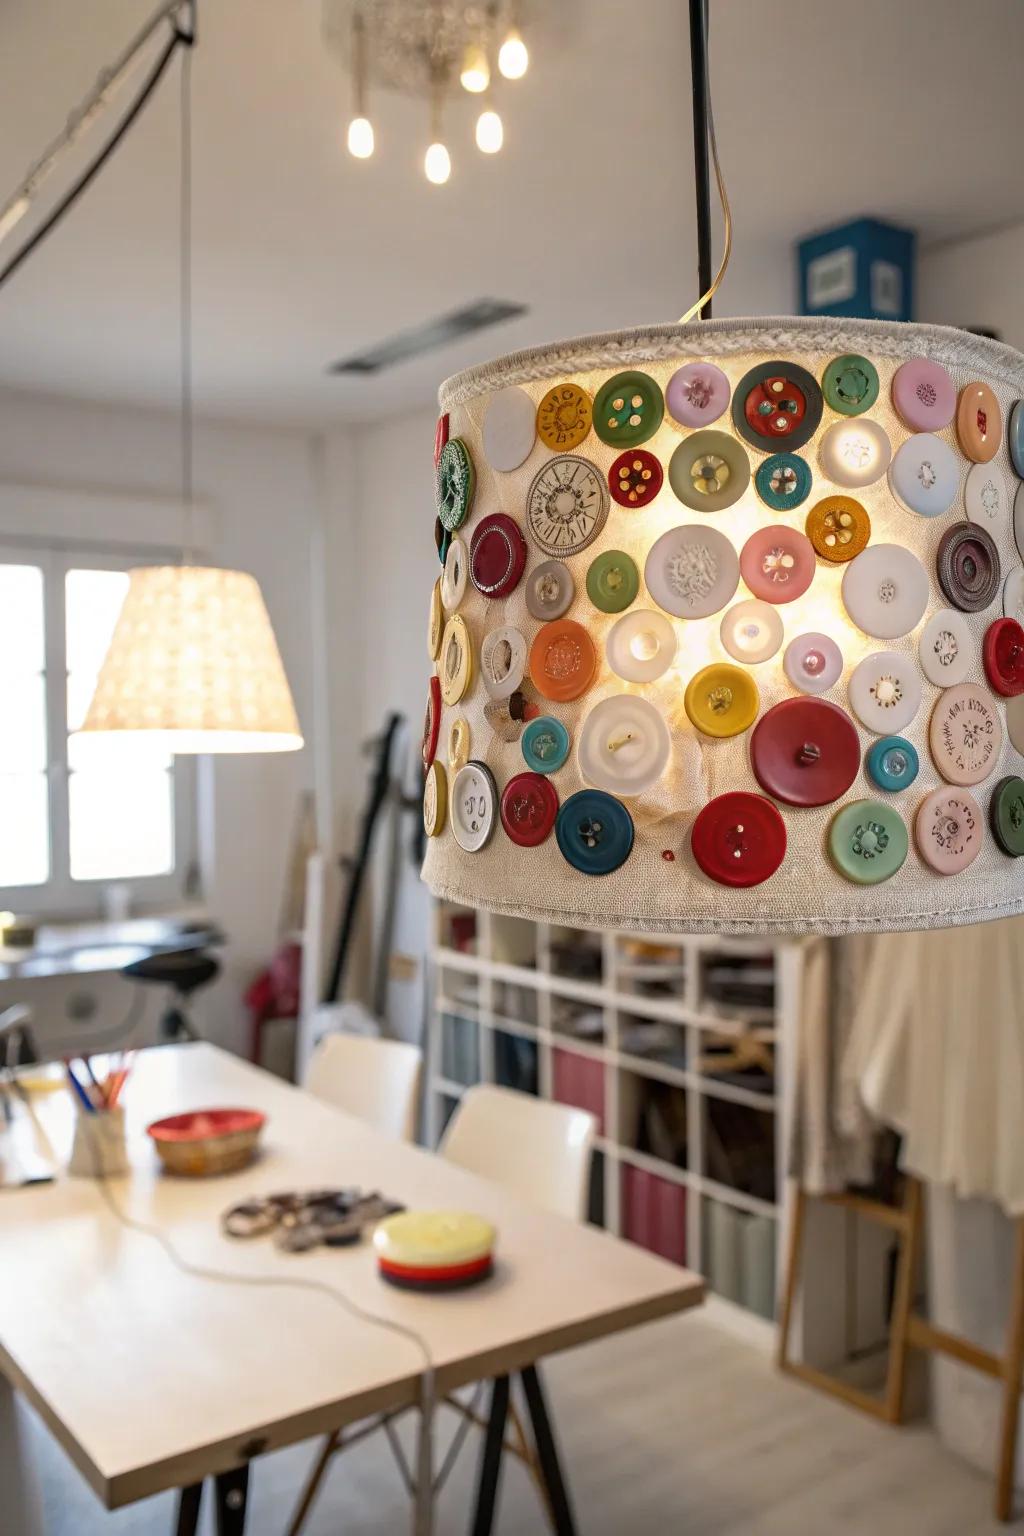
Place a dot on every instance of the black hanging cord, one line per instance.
(701, 167)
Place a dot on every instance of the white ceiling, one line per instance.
(908, 109)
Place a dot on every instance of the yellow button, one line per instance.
(435, 799)
(721, 700)
(458, 744)
(564, 417)
(839, 528)
(456, 660)
(435, 626)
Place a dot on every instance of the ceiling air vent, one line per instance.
(427, 338)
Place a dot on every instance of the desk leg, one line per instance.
(490, 1460)
(19, 1490)
(423, 1484)
(547, 1454)
(231, 1495)
(189, 1501)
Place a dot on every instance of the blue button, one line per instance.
(594, 832)
(1015, 438)
(893, 762)
(783, 481)
(545, 744)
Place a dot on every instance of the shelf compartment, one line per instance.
(458, 928)
(739, 985)
(651, 969)
(658, 1042)
(653, 1118)
(460, 1049)
(576, 954)
(739, 1256)
(578, 1021)
(579, 1080)
(739, 1147)
(654, 1213)
(513, 941)
(514, 1000)
(744, 1060)
(515, 1062)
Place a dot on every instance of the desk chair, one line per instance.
(184, 971)
(375, 1080)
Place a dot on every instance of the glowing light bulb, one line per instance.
(476, 72)
(360, 138)
(490, 135)
(513, 59)
(437, 164)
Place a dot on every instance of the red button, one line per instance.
(497, 555)
(432, 721)
(739, 839)
(635, 478)
(805, 752)
(440, 436)
(1002, 652)
(529, 805)
(775, 407)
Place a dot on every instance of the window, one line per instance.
(76, 813)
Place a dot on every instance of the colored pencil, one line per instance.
(87, 1064)
(78, 1090)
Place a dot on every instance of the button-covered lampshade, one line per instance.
(193, 659)
(726, 634)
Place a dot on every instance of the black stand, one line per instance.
(231, 1492)
(547, 1456)
(701, 171)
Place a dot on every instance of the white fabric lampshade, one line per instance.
(194, 663)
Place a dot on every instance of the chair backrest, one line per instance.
(539, 1150)
(376, 1080)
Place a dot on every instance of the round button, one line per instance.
(458, 744)
(529, 805)
(738, 839)
(431, 721)
(692, 571)
(442, 540)
(440, 436)
(850, 384)
(550, 590)
(435, 800)
(456, 660)
(979, 422)
(635, 478)
(721, 700)
(777, 563)
(474, 806)
(885, 692)
(751, 631)
(455, 575)
(885, 591)
(1018, 520)
(624, 745)
(510, 429)
(1006, 815)
(948, 830)
(697, 394)
(893, 763)
(964, 735)
(594, 832)
(567, 505)
(435, 621)
(1002, 651)
(641, 646)
(986, 497)
(924, 395)
(628, 409)
(497, 555)
(1013, 595)
(854, 453)
(503, 661)
(709, 471)
(613, 581)
(838, 527)
(545, 744)
(783, 481)
(813, 662)
(777, 404)
(456, 482)
(1015, 723)
(564, 417)
(967, 565)
(562, 660)
(868, 841)
(945, 648)
(805, 752)
(1015, 437)
(924, 475)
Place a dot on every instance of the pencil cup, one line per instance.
(99, 1149)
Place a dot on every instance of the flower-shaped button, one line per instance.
(738, 839)
(594, 832)
(628, 409)
(783, 481)
(868, 841)
(949, 830)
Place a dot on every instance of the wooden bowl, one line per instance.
(207, 1141)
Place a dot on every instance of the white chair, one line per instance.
(376, 1080)
(538, 1150)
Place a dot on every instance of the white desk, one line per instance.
(76, 949)
(152, 1379)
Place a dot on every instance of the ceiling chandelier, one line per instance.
(431, 50)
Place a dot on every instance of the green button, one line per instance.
(456, 482)
(1006, 815)
(850, 384)
(628, 409)
(868, 841)
(613, 581)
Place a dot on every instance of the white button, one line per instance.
(1018, 519)
(752, 631)
(924, 475)
(812, 662)
(945, 648)
(550, 590)
(503, 661)
(624, 745)
(510, 428)
(854, 453)
(474, 806)
(1013, 595)
(885, 692)
(885, 590)
(641, 646)
(692, 571)
(986, 498)
(455, 575)
(1015, 721)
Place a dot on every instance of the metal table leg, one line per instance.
(20, 1496)
(232, 1490)
(490, 1459)
(547, 1454)
(189, 1501)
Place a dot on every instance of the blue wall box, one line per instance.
(865, 268)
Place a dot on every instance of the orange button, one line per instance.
(562, 660)
(979, 422)
(838, 527)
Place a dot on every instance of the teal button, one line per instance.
(1015, 438)
(868, 841)
(783, 481)
(594, 832)
(893, 763)
(545, 744)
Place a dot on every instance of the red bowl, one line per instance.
(206, 1141)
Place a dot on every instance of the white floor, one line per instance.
(678, 1429)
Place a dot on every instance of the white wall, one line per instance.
(976, 283)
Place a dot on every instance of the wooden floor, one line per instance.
(678, 1429)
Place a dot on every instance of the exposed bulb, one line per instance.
(476, 72)
(437, 163)
(513, 59)
(360, 138)
(490, 135)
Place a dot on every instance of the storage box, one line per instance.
(579, 1080)
(864, 268)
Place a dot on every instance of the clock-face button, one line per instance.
(709, 471)
(965, 736)
(594, 832)
(924, 395)
(967, 565)
(529, 805)
(885, 692)
(563, 660)
(949, 830)
(624, 745)
(635, 478)
(497, 555)
(868, 841)
(456, 483)
(697, 394)
(550, 590)
(692, 571)
(777, 405)
(567, 505)
(628, 409)
(805, 752)
(979, 422)
(738, 839)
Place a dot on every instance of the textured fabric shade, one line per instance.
(193, 662)
(915, 469)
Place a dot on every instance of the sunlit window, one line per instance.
(24, 791)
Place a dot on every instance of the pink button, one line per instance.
(949, 830)
(924, 395)
(812, 662)
(697, 394)
(777, 563)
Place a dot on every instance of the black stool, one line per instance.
(184, 971)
